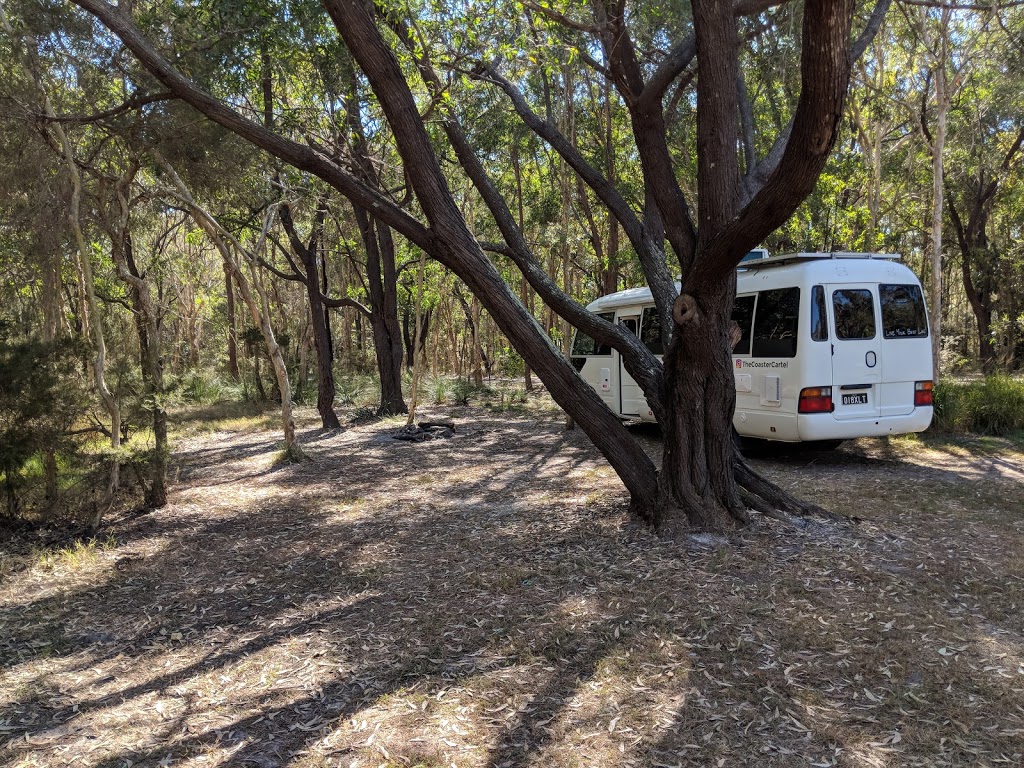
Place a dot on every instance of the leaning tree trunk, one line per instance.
(221, 238)
(724, 235)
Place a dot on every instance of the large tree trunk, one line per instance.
(697, 485)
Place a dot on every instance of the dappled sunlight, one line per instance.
(486, 601)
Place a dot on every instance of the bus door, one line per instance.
(631, 398)
(906, 348)
(856, 352)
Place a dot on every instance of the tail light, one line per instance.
(815, 400)
(923, 393)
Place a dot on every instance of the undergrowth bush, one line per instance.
(994, 406)
(204, 387)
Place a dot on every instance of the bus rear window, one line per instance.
(855, 313)
(903, 315)
(584, 346)
(776, 322)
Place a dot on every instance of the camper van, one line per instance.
(834, 346)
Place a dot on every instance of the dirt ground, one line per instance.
(485, 601)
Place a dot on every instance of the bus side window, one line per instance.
(650, 331)
(819, 316)
(776, 323)
(584, 346)
(743, 314)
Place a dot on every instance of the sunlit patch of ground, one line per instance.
(485, 601)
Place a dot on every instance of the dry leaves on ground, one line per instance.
(485, 601)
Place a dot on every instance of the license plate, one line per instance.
(861, 398)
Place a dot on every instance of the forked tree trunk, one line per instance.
(382, 282)
(726, 233)
(699, 395)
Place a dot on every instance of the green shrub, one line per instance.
(994, 406)
(205, 387)
(465, 389)
(41, 398)
(440, 388)
(353, 389)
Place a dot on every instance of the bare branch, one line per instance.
(561, 18)
(136, 102)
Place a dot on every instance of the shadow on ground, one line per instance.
(483, 601)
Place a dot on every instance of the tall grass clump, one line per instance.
(994, 406)
(205, 387)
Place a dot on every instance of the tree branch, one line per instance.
(298, 155)
(825, 72)
(135, 102)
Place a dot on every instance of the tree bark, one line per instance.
(310, 278)
(382, 285)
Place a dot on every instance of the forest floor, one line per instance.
(485, 601)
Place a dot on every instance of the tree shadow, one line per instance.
(284, 617)
(195, 596)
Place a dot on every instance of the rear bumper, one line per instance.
(821, 426)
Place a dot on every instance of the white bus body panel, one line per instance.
(876, 374)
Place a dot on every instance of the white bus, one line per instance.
(834, 346)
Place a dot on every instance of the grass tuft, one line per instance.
(994, 406)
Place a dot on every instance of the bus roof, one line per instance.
(791, 258)
(641, 296)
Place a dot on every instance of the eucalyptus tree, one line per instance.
(735, 208)
(987, 148)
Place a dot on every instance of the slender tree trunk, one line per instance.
(260, 315)
(148, 327)
(935, 240)
(229, 293)
(321, 341)
(382, 282)
(417, 362)
(939, 51)
(524, 286)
